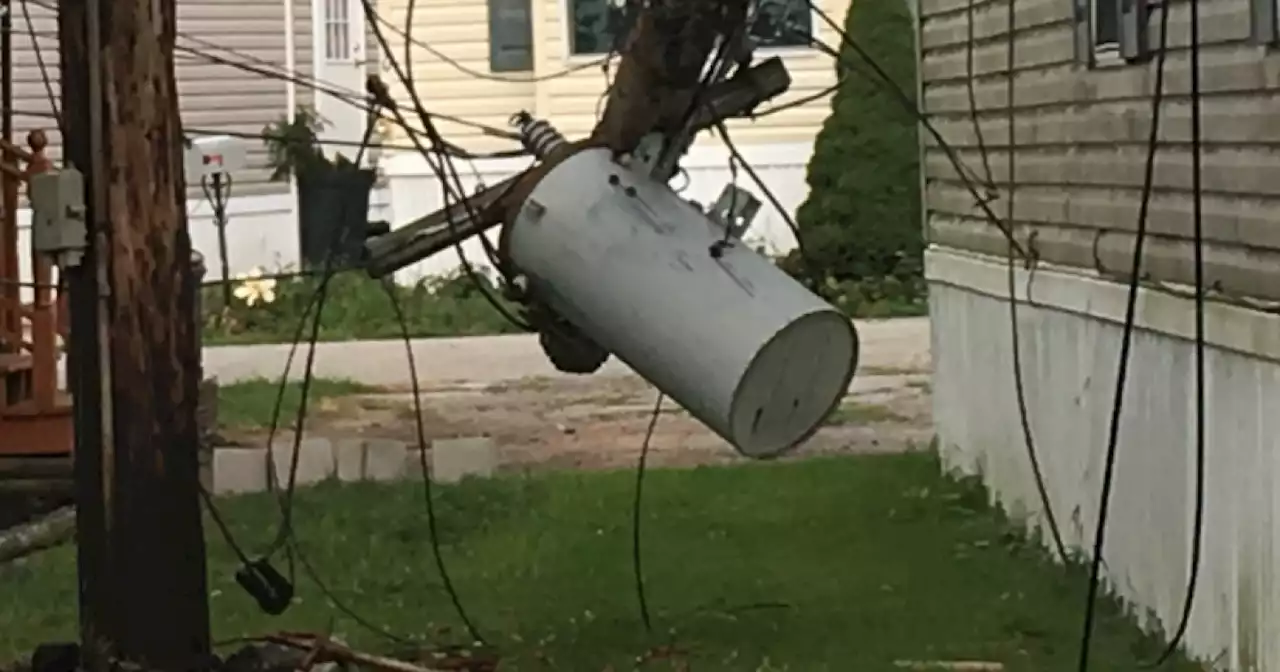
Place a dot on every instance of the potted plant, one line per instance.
(333, 193)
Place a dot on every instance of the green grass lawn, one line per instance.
(249, 404)
(842, 564)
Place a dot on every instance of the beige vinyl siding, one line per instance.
(31, 102)
(220, 97)
(459, 28)
(1080, 142)
(573, 99)
(212, 96)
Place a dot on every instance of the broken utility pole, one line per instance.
(662, 66)
(660, 72)
(136, 363)
(609, 261)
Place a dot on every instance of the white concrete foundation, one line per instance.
(1070, 337)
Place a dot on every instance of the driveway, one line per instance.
(887, 346)
(503, 387)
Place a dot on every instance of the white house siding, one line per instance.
(214, 97)
(1079, 146)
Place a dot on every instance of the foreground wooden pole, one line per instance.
(142, 560)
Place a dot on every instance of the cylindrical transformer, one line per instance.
(710, 322)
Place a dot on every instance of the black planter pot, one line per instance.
(333, 214)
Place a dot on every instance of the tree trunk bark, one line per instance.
(156, 613)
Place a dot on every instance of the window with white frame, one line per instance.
(1105, 17)
(597, 25)
(337, 30)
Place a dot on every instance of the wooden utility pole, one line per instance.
(142, 556)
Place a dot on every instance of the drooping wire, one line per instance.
(798, 102)
(328, 271)
(973, 92)
(352, 99)
(1015, 335)
(406, 35)
(750, 170)
(421, 435)
(451, 150)
(885, 81)
(1201, 461)
(44, 70)
(286, 538)
(642, 600)
(449, 170)
(982, 201)
(335, 142)
(712, 72)
(1126, 341)
(267, 69)
(449, 192)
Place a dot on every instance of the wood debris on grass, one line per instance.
(45, 532)
(319, 649)
(951, 665)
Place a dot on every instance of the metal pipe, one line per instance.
(291, 92)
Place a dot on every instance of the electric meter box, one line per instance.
(58, 215)
(214, 155)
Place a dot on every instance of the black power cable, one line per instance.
(272, 590)
(433, 134)
(421, 435)
(1197, 210)
(967, 176)
(478, 74)
(1015, 335)
(1131, 308)
(255, 65)
(44, 71)
(286, 538)
(328, 272)
(973, 91)
(642, 600)
(447, 186)
(983, 202)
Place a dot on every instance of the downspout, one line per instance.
(918, 36)
(291, 95)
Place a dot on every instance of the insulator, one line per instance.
(537, 136)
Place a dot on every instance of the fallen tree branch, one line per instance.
(51, 530)
(320, 649)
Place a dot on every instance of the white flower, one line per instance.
(254, 289)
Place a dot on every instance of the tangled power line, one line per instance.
(418, 124)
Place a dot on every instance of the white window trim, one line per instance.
(1107, 53)
(357, 46)
(818, 31)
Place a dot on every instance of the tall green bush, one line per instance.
(861, 222)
